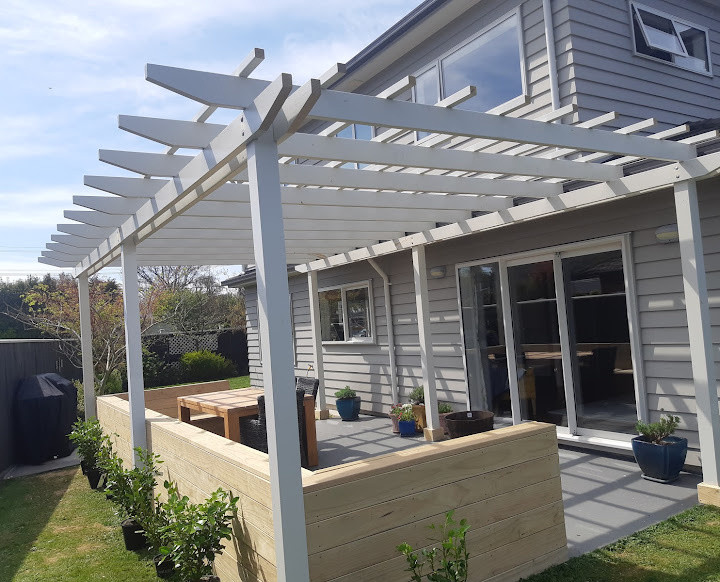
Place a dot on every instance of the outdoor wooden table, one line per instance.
(231, 405)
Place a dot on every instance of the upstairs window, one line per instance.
(356, 131)
(346, 313)
(670, 39)
(492, 61)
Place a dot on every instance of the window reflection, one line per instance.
(331, 316)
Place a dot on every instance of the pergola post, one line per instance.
(133, 345)
(88, 371)
(291, 558)
(321, 405)
(433, 432)
(700, 331)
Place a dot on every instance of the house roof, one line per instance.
(190, 205)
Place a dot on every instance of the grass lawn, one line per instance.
(239, 382)
(56, 529)
(684, 548)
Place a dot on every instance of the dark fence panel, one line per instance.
(20, 359)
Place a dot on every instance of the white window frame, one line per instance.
(367, 284)
(556, 253)
(437, 62)
(634, 6)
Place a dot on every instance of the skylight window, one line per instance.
(667, 38)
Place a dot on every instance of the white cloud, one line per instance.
(40, 207)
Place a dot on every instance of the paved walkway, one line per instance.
(605, 497)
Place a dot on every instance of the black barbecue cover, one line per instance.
(45, 410)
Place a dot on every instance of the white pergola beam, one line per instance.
(171, 132)
(88, 371)
(213, 89)
(692, 258)
(109, 204)
(225, 157)
(635, 184)
(316, 331)
(55, 262)
(277, 363)
(334, 73)
(85, 231)
(133, 348)
(308, 175)
(356, 108)
(349, 150)
(433, 432)
(126, 187)
(145, 163)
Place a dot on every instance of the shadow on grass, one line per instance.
(26, 505)
(685, 548)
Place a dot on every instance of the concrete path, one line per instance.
(24, 470)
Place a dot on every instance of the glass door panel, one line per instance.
(537, 343)
(600, 342)
(484, 337)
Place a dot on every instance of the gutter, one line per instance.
(390, 329)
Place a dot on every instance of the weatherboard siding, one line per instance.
(606, 74)
(659, 288)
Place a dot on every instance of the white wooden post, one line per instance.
(86, 347)
(133, 347)
(291, 557)
(321, 405)
(433, 432)
(701, 348)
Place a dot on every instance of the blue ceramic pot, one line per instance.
(348, 408)
(407, 428)
(661, 463)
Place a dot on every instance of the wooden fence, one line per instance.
(20, 359)
(506, 483)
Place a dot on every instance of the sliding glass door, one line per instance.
(566, 320)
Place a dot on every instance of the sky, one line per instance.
(68, 68)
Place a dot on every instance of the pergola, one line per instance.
(263, 190)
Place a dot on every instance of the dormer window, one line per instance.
(670, 39)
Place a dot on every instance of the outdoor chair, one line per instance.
(253, 432)
(309, 385)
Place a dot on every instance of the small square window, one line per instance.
(346, 313)
(667, 38)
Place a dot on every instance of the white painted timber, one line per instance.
(145, 163)
(86, 347)
(427, 359)
(126, 187)
(277, 362)
(85, 231)
(355, 108)
(699, 328)
(133, 347)
(389, 326)
(109, 204)
(171, 132)
(316, 339)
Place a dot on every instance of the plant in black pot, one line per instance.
(347, 403)
(194, 532)
(92, 446)
(660, 456)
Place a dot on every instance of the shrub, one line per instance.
(204, 365)
(405, 412)
(156, 371)
(448, 563)
(345, 394)
(93, 446)
(657, 431)
(417, 395)
(194, 533)
(444, 407)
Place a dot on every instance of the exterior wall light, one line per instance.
(437, 272)
(667, 233)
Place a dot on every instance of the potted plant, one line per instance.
(447, 563)
(394, 414)
(444, 408)
(406, 420)
(155, 524)
(660, 456)
(347, 403)
(194, 532)
(92, 446)
(417, 399)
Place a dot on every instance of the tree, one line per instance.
(11, 293)
(169, 278)
(54, 310)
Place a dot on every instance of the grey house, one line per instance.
(578, 318)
